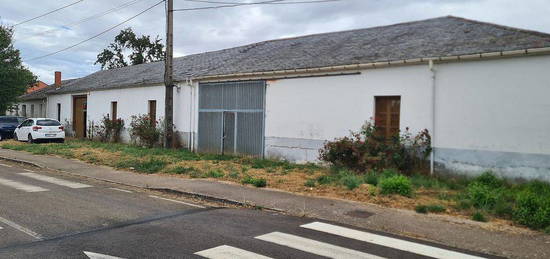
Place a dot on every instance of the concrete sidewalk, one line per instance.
(482, 237)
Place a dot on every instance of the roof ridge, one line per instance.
(505, 27)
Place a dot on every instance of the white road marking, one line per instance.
(30, 171)
(5, 165)
(21, 228)
(229, 252)
(387, 241)
(180, 202)
(22, 186)
(313, 246)
(1, 228)
(120, 190)
(92, 255)
(53, 180)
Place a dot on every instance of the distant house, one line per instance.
(36, 86)
(480, 89)
(34, 102)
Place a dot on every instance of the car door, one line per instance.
(23, 131)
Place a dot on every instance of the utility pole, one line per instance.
(168, 76)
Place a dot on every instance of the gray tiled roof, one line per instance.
(438, 37)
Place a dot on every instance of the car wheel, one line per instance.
(15, 137)
(0, 137)
(30, 140)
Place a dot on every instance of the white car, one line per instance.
(33, 130)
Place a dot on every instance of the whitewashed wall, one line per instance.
(28, 105)
(302, 113)
(130, 101)
(490, 115)
(495, 115)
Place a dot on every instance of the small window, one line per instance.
(41, 110)
(24, 110)
(48, 123)
(387, 113)
(32, 110)
(114, 108)
(59, 112)
(153, 111)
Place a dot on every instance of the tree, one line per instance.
(14, 77)
(143, 50)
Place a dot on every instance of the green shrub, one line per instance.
(258, 182)
(421, 209)
(398, 184)
(478, 216)
(310, 183)
(532, 209)
(368, 149)
(349, 179)
(435, 208)
(215, 174)
(234, 174)
(371, 178)
(152, 165)
(145, 129)
(325, 179)
(483, 196)
(181, 170)
(490, 180)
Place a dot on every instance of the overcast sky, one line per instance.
(207, 30)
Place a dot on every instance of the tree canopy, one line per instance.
(14, 77)
(142, 50)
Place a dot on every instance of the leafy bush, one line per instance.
(421, 209)
(258, 182)
(371, 178)
(145, 130)
(181, 170)
(310, 183)
(108, 130)
(490, 180)
(478, 216)
(533, 208)
(215, 174)
(486, 192)
(435, 208)
(325, 179)
(351, 181)
(483, 196)
(368, 149)
(398, 184)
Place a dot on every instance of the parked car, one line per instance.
(8, 125)
(35, 130)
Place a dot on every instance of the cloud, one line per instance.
(208, 30)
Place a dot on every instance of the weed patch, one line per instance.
(398, 184)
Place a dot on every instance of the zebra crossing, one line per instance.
(329, 250)
(32, 187)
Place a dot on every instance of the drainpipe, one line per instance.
(432, 71)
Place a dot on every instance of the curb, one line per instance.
(193, 195)
(21, 161)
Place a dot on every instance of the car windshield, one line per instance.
(48, 123)
(9, 120)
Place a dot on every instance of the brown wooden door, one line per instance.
(386, 118)
(79, 116)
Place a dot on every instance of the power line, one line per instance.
(97, 35)
(95, 16)
(267, 2)
(50, 12)
(228, 4)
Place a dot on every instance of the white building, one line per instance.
(482, 90)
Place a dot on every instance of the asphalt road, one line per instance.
(46, 214)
